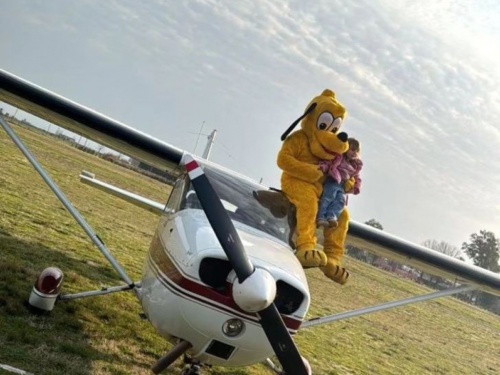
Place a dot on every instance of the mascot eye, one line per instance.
(337, 123)
(325, 121)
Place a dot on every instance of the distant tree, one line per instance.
(374, 223)
(444, 247)
(484, 250)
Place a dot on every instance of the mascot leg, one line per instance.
(307, 253)
(334, 249)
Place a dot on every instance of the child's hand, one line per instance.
(349, 185)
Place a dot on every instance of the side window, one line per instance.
(175, 198)
(191, 200)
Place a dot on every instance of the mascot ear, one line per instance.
(328, 92)
(290, 128)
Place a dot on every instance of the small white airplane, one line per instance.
(221, 281)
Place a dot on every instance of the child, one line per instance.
(339, 170)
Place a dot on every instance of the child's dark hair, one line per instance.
(354, 144)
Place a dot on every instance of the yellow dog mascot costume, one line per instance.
(302, 181)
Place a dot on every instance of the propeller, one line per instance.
(270, 319)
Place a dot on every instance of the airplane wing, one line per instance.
(120, 137)
(88, 123)
(430, 261)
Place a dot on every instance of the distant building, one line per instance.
(169, 177)
(65, 137)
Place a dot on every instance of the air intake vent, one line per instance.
(219, 349)
(213, 272)
(288, 299)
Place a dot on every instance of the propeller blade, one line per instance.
(219, 220)
(283, 345)
(270, 319)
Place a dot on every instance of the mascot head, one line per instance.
(321, 123)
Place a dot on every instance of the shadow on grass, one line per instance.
(45, 343)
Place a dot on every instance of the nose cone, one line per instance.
(342, 136)
(256, 292)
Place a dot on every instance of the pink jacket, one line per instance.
(341, 170)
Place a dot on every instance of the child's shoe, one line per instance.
(332, 223)
(322, 223)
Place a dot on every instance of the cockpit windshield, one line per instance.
(246, 202)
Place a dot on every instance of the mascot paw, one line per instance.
(336, 273)
(311, 258)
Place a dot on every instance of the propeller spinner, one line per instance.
(263, 304)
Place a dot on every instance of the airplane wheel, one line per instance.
(192, 370)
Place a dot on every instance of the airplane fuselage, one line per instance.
(186, 289)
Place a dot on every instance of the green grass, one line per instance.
(104, 335)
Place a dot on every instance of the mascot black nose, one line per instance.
(342, 136)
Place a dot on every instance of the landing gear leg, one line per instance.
(178, 350)
(273, 367)
(279, 371)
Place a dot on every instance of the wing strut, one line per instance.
(66, 202)
(386, 306)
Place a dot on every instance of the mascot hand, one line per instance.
(349, 185)
(319, 174)
(323, 166)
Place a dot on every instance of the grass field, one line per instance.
(105, 335)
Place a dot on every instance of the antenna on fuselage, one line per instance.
(210, 143)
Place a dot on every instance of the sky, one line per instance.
(420, 80)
